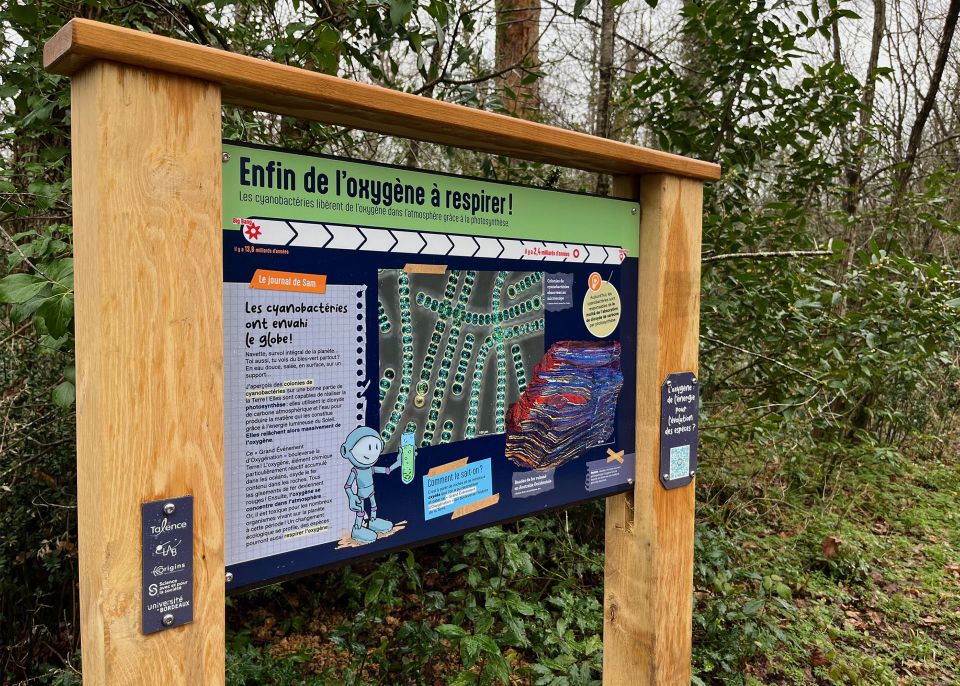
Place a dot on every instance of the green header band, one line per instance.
(262, 182)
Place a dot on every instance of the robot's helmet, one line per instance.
(354, 437)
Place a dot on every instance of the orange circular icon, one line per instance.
(595, 281)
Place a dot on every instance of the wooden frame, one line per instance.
(149, 326)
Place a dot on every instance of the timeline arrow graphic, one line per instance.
(488, 247)
(512, 250)
(436, 244)
(310, 235)
(379, 240)
(372, 239)
(344, 237)
(463, 246)
(595, 254)
(408, 241)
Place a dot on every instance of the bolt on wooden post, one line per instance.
(146, 117)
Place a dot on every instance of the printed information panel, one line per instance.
(411, 355)
(679, 429)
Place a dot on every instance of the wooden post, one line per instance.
(149, 332)
(648, 573)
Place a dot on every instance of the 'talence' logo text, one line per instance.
(166, 526)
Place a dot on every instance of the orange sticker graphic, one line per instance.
(412, 268)
(269, 280)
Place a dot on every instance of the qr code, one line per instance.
(679, 462)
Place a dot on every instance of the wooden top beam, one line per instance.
(272, 87)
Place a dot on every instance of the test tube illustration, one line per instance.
(408, 454)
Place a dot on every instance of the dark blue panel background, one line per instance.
(399, 502)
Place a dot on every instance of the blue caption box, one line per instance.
(444, 493)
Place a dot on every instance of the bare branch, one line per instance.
(761, 356)
(765, 255)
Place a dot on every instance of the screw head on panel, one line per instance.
(225, 157)
(693, 473)
(666, 476)
(633, 210)
(169, 509)
(630, 481)
(167, 619)
(228, 577)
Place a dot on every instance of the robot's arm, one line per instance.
(353, 498)
(387, 470)
(348, 487)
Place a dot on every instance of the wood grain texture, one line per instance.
(272, 87)
(149, 332)
(648, 572)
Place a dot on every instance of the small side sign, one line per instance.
(167, 563)
(679, 429)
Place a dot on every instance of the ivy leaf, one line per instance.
(578, 8)
(22, 311)
(19, 288)
(64, 395)
(57, 313)
(61, 271)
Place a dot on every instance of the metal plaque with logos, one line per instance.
(167, 549)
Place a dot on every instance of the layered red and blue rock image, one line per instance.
(569, 405)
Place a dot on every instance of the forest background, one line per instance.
(827, 532)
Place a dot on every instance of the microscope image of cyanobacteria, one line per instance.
(569, 404)
(456, 350)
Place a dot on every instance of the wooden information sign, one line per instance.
(147, 154)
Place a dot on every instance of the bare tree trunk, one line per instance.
(518, 54)
(603, 120)
(854, 171)
(853, 174)
(621, 128)
(916, 131)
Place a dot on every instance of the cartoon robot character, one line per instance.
(362, 448)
